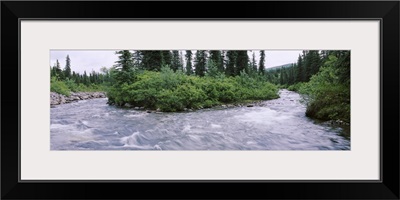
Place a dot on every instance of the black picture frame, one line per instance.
(386, 11)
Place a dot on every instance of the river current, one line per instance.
(278, 124)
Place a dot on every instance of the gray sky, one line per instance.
(89, 60)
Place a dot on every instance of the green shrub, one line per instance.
(59, 87)
(329, 98)
(174, 91)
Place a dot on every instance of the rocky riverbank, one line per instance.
(56, 99)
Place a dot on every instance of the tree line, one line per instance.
(308, 64)
(66, 74)
(200, 62)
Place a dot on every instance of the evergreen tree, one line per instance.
(315, 62)
(231, 61)
(67, 69)
(137, 59)
(176, 63)
(152, 60)
(188, 56)
(59, 71)
(215, 56)
(242, 60)
(85, 78)
(222, 66)
(181, 62)
(261, 68)
(343, 66)
(166, 58)
(200, 62)
(300, 73)
(124, 67)
(254, 62)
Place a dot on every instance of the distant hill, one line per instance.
(280, 66)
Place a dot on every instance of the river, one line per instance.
(278, 124)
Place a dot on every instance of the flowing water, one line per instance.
(278, 124)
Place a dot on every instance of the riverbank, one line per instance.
(57, 99)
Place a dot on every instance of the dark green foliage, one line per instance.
(329, 89)
(200, 63)
(124, 67)
(231, 62)
(242, 61)
(176, 61)
(215, 56)
(67, 69)
(166, 58)
(137, 58)
(254, 62)
(261, 68)
(152, 60)
(300, 71)
(188, 56)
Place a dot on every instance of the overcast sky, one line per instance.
(89, 60)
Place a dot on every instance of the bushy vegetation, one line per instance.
(64, 81)
(295, 87)
(59, 86)
(67, 86)
(329, 89)
(174, 91)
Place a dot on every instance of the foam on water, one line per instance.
(280, 125)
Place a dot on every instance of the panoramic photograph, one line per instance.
(235, 100)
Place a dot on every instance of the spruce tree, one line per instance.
(67, 69)
(222, 66)
(242, 60)
(300, 73)
(166, 58)
(261, 68)
(200, 62)
(254, 62)
(189, 70)
(124, 67)
(152, 60)
(59, 71)
(137, 59)
(181, 62)
(231, 61)
(215, 56)
(175, 64)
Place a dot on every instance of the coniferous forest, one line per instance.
(172, 81)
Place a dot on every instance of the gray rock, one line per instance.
(250, 105)
(127, 105)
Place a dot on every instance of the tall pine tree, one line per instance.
(166, 58)
(67, 69)
(300, 71)
(254, 62)
(215, 56)
(188, 55)
(242, 60)
(231, 62)
(124, 67)
(261, 68)
(152, 60)
(176, 63)
(200, 62)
